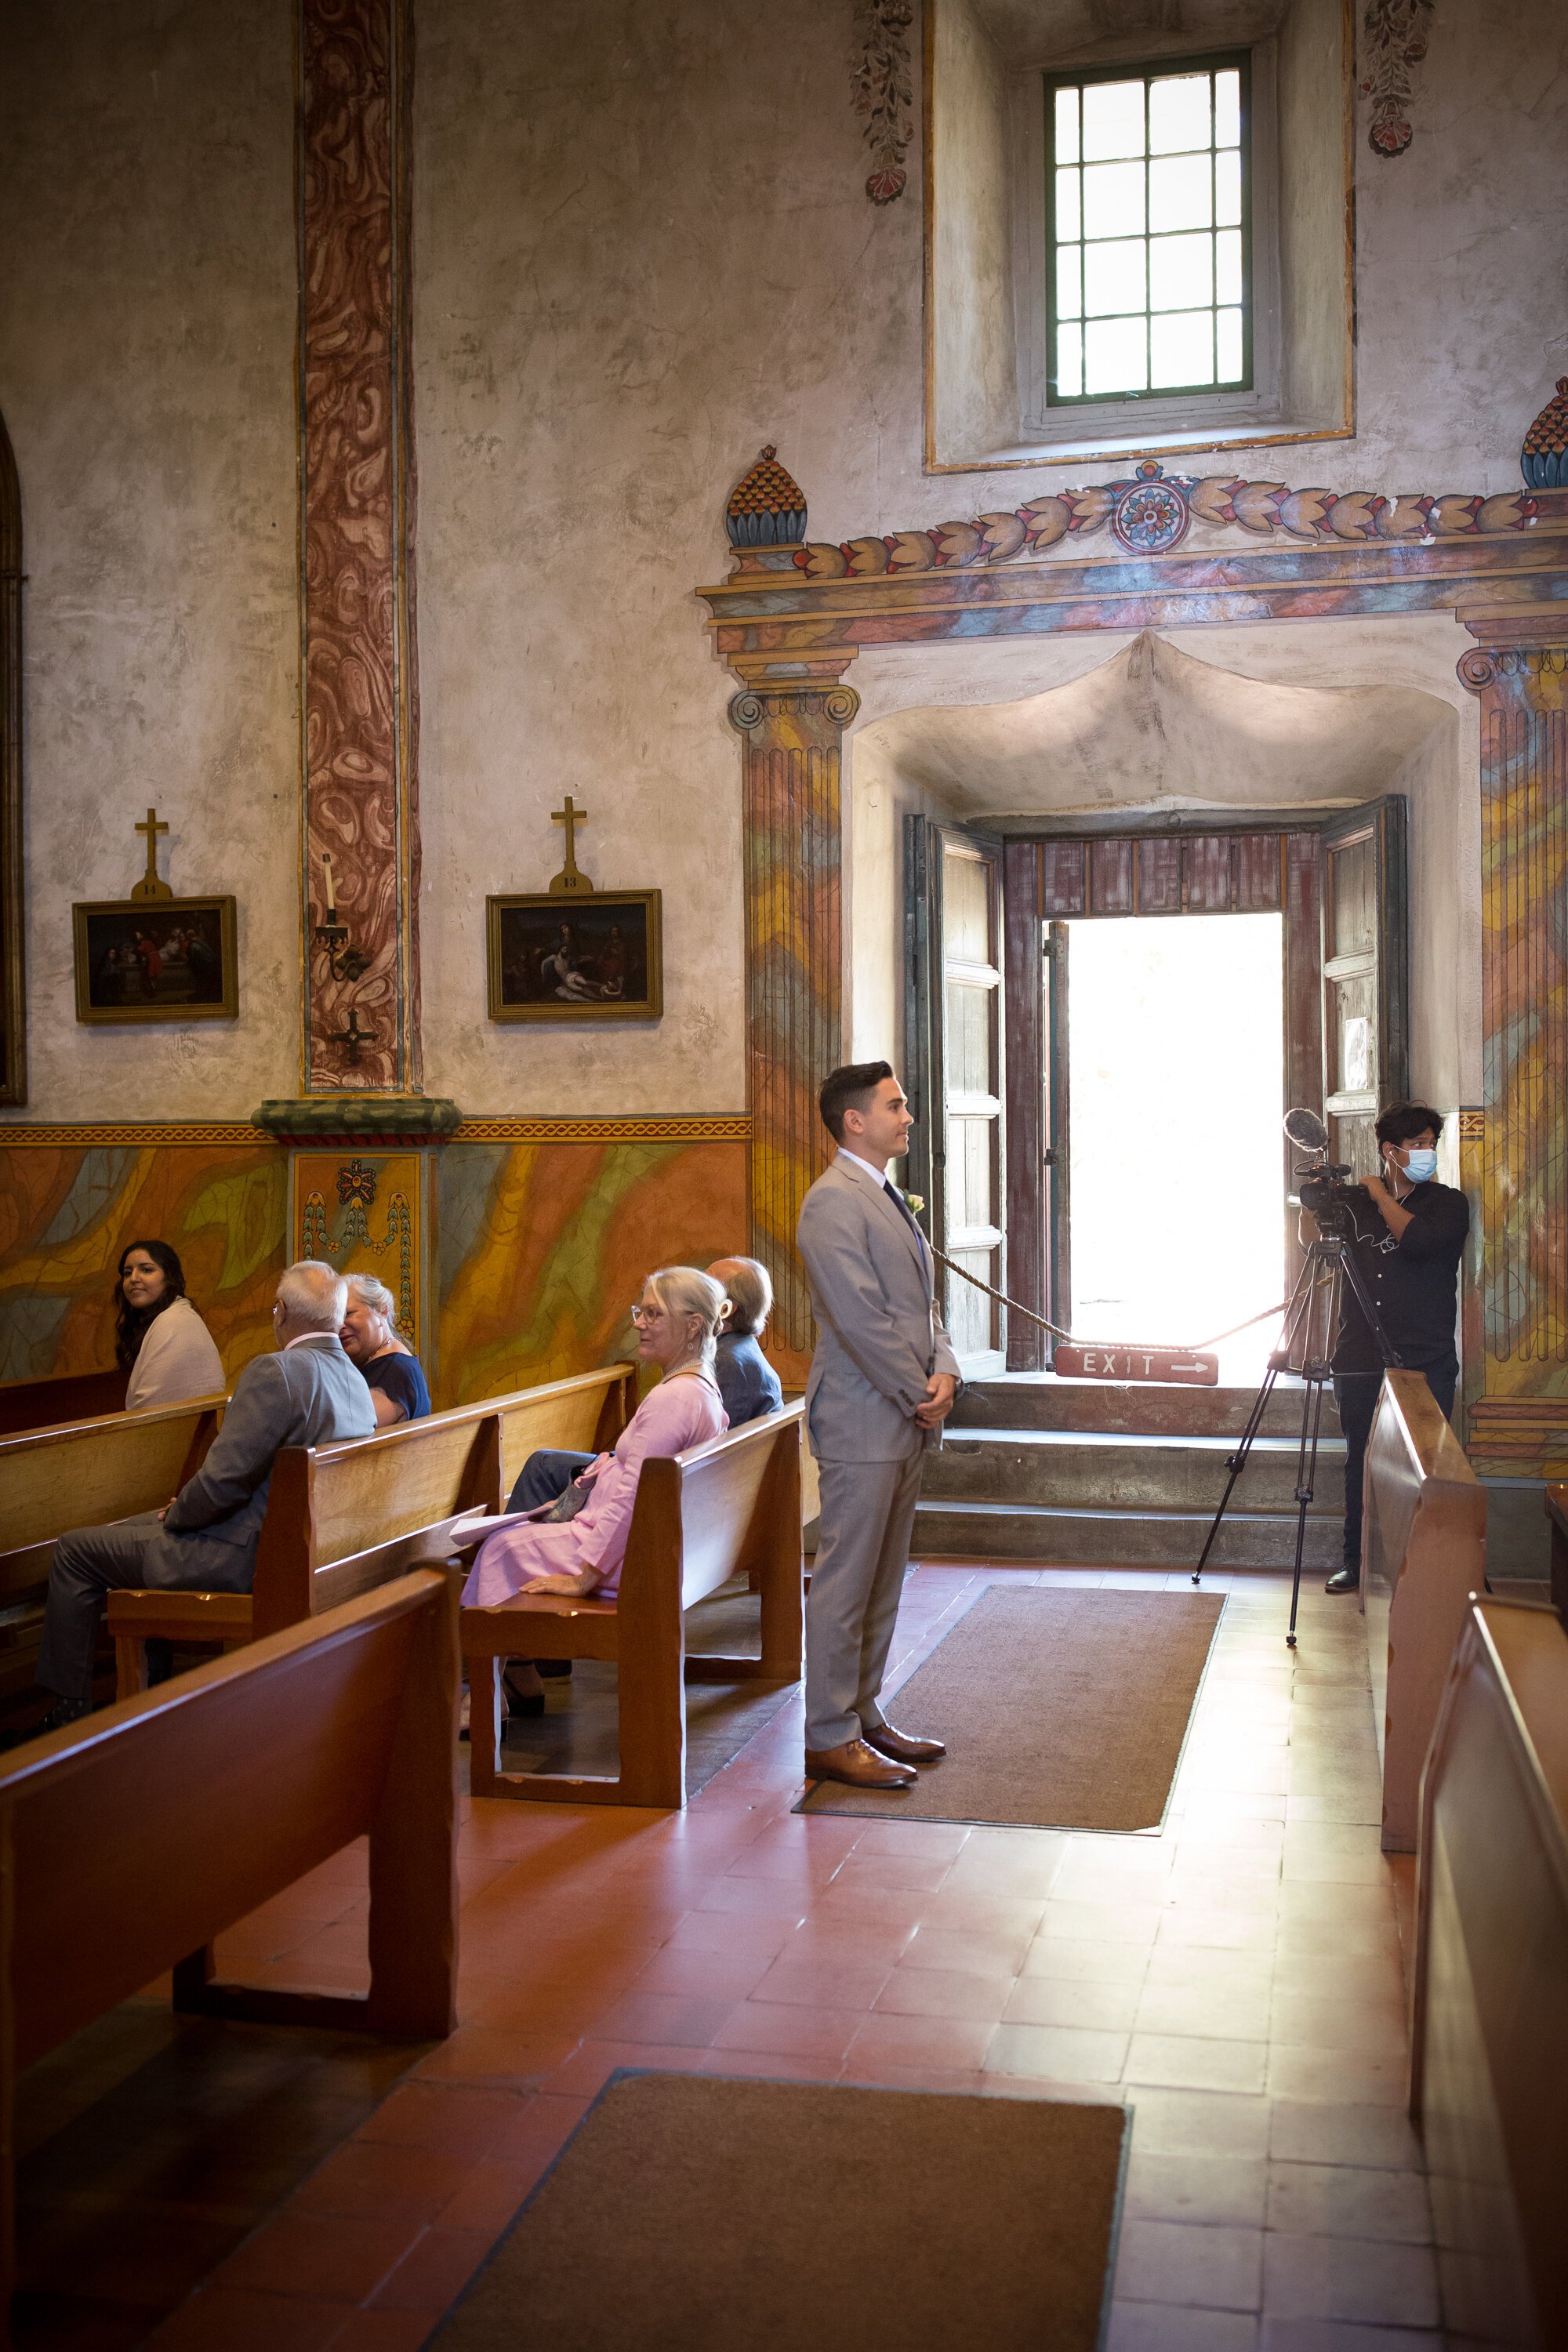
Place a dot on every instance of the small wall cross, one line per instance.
(354, 1036)
(149, 886)
(570, 878)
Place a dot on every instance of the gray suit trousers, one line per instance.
(92, 1561)
(868, 1516)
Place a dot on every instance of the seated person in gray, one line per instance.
(308, 1393)
(747, 1381)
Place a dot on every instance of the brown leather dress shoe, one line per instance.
(854, 1764)
(903, 1747)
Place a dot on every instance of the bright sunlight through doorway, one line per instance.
(1177, 1070)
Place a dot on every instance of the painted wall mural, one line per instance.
(1394, 37)
(367, 1213)
(1149, 513)
(67, 1213)
(542, 1249)
(357, 469)
(881, 89)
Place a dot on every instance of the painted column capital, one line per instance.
(772, 702)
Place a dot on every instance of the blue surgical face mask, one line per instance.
(1421, 1166)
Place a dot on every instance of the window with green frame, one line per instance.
(1149, 291)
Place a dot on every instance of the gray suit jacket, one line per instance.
(880, 1336)
(308, 1395)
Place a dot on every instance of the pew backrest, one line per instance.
(583, 1414)
(138, 1834)
(1490, 2039)
(710, 1514)
(90, 1472)
(68, 1396)
(1423, 1554)
(343, 1519)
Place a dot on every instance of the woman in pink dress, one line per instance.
(676, 1321)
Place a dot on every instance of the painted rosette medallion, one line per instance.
(1151, 514)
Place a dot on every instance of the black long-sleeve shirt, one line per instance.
(1413, 1283)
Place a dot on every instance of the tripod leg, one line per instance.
(1237, 1465)
(1306, 1477)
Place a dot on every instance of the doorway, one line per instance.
(1259, 967)
(1176, 1079)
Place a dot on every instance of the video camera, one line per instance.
(1326, 1187)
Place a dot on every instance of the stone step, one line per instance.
(1171, 1540)
(1040, 1401)
(1109, 1471)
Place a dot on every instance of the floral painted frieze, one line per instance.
(1149, 513)
(882, 92)
(1393, 42)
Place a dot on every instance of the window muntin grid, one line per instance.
(1149, 268)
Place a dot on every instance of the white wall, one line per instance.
(147, 320)
(642, 248)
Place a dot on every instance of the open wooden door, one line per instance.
(953, 1044)
(1366, 975)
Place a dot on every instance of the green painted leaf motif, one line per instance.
(249, 1207)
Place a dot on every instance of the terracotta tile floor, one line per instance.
(1236, 1979)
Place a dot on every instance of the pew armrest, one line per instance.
(146, 1616)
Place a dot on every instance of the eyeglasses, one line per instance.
(641, 1315)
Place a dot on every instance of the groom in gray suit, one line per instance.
(309, 1393)
(884, 1376)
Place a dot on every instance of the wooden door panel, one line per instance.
(1207, 877)
(1365, 976)
(1063, 884)
(1160, 875)
(1110, 877)
(1025, 1079)
(1260, 860)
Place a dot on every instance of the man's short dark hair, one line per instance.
(850, 1089)
(1402, 1122)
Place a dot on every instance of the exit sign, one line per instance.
(1121, 1363)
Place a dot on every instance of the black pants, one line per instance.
(1356, 1394)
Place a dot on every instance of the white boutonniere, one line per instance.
(913, 1202)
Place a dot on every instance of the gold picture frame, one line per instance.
(143, 960)
(551, 956)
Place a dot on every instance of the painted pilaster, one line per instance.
(356, 468)
(1519, 670)
(792, 731)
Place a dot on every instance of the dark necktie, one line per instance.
(905, 1211)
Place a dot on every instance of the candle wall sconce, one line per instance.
(344, 962)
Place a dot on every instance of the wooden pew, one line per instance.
(1423, 1554)
(1490, 2040)
(1557, 1515)
(131, 1840)
(82, 1476)
(342, 1519)
(727, 1509)
(68, 1396)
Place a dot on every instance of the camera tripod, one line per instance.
(1306, 1341)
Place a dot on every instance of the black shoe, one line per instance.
(1344, 1579)
(551, 1670)
(64, 1711)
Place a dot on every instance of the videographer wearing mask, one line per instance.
(1410, 1266)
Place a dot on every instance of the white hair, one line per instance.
(374, 1294)
(314, 1294)
(683, 1290)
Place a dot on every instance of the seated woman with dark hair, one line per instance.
(392, 1371)
(159, 1337)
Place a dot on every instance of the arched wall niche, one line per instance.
(1275, 717)
(13, 976)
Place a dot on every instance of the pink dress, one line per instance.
(683, 1412)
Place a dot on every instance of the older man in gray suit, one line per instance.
(309, 1393)
(883, 1378)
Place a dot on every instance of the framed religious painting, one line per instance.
(593, 957)
(156, 959)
